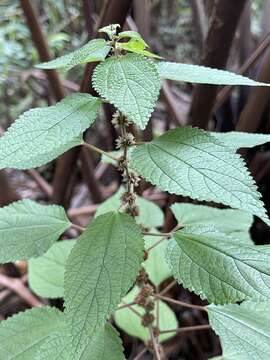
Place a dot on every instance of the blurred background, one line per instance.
(218, 33)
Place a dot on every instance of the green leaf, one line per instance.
(215, 267)
(150, 214)
(131, 83)
(235, 223)
(130, 322)
(155, 265)
(132, 35)
(237, 139)
(41, 134)
(101, 268)
(110, 30)
(244, 330)
(46, 273)
(59, 347)
(28, 229)
(137, 46)
(94, 50)
(22, 335)
(190, 162)
(202, 75)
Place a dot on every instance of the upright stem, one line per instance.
(123, 132)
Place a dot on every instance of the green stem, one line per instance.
(100, 151)
(165, 235)
(77, 227)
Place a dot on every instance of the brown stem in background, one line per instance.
(265, 18)
(42, 47)
(88, 173)
(166, 92)
(89, 9)
(115, 12)
(20, 289)
(251, 116)
(216, 51)
(66, 162)
(225, 92)
(200, 21)
(7, 193)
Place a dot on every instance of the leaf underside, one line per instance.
(40, 135)
(244, 330)
(218, 269)
(202, 75)
(101, 268)
(94, 50)
(238, 139)
(131, 83)
(28, 229)
(190, 162)
(223, 220)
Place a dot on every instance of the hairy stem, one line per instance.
(99, 151)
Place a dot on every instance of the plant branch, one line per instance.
(180, 303)
(165, 237)
(154, 343)
(187, 328)
(124, 306)
(99, 151)
(77, 227)
(140, 355)
(132, 309)
(157, 234)
(169, 287)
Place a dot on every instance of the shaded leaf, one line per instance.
(202, 75)
(28, 229)
(131, 83)
(94, 50)
(130, 322)
(155, 265)
(101, 268)
(217, 268)
(150, 214)
(46, 273)
(41, 134)
(190, 162)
